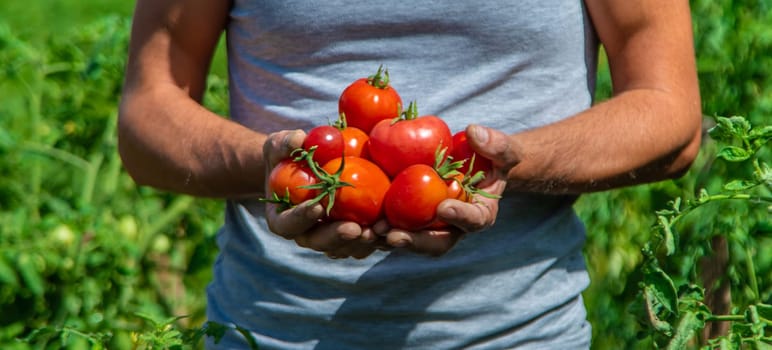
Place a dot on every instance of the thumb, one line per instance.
(280, 145)
(493, 144)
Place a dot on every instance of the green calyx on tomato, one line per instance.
(448, 169)
(397, 143)
(285, 184)
(411, 113)
(327, 183)
(470, 181)
(367, 101)
(380, 79)
(361, 203)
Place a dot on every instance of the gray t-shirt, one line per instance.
(510, 65)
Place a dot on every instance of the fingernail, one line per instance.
(478, 133)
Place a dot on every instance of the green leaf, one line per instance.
(30, 274)
(7, 274)
(659, 324)
(662, 287)
(740, 185)
(703, 197)
(727, 129)
(148, 317)
(661, 299)
(764, 174)
(762, 134)
(722, 131)
(669, 237)
(251, 341)
(688, 324)
(765, 311)
(215, 330)
(734, 154)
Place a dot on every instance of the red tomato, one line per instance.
(355, 142)
(461, 150)
(328, 140)
(412, 199)
(456, 191)
(362, 202)
(369, 100)
(456, 188)
(411, 140)
(285, 180)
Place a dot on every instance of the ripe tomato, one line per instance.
(362, 202)
(354, 139)
(395, 145)
(412, 199)
(369, 100)
(456, 188)
(328, 141)
(355, 142)
(461, 150)
(285, 180)
(455, 191)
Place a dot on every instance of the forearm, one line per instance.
(169, 141)
(641, 135)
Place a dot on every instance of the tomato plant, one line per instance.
(369, 100)
(397, 144)
(463, 151)
(354, 188)
(328, 141)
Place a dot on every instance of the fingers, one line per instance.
(461, 216)
(474, 216)
(339, 240)
(329, 236)
(294, 221)
(494, 145)
(428, 242)
(468, 217)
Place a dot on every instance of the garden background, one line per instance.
(89, 260)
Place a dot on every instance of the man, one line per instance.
(525, 70)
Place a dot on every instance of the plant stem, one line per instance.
(179, 206)
(729, 318)
(751, 270)
(57, 154)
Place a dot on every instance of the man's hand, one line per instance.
(465, 217)
(302, 223)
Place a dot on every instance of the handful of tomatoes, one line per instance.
(380, 161)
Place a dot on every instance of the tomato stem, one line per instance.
(283, 203)
(380, 79)
(410, 113)
(328, 183)
(448, 170)
(341, 124)
(444, 164)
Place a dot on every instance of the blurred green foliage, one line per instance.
(83, 250)
(733, 44)
(89, 259)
